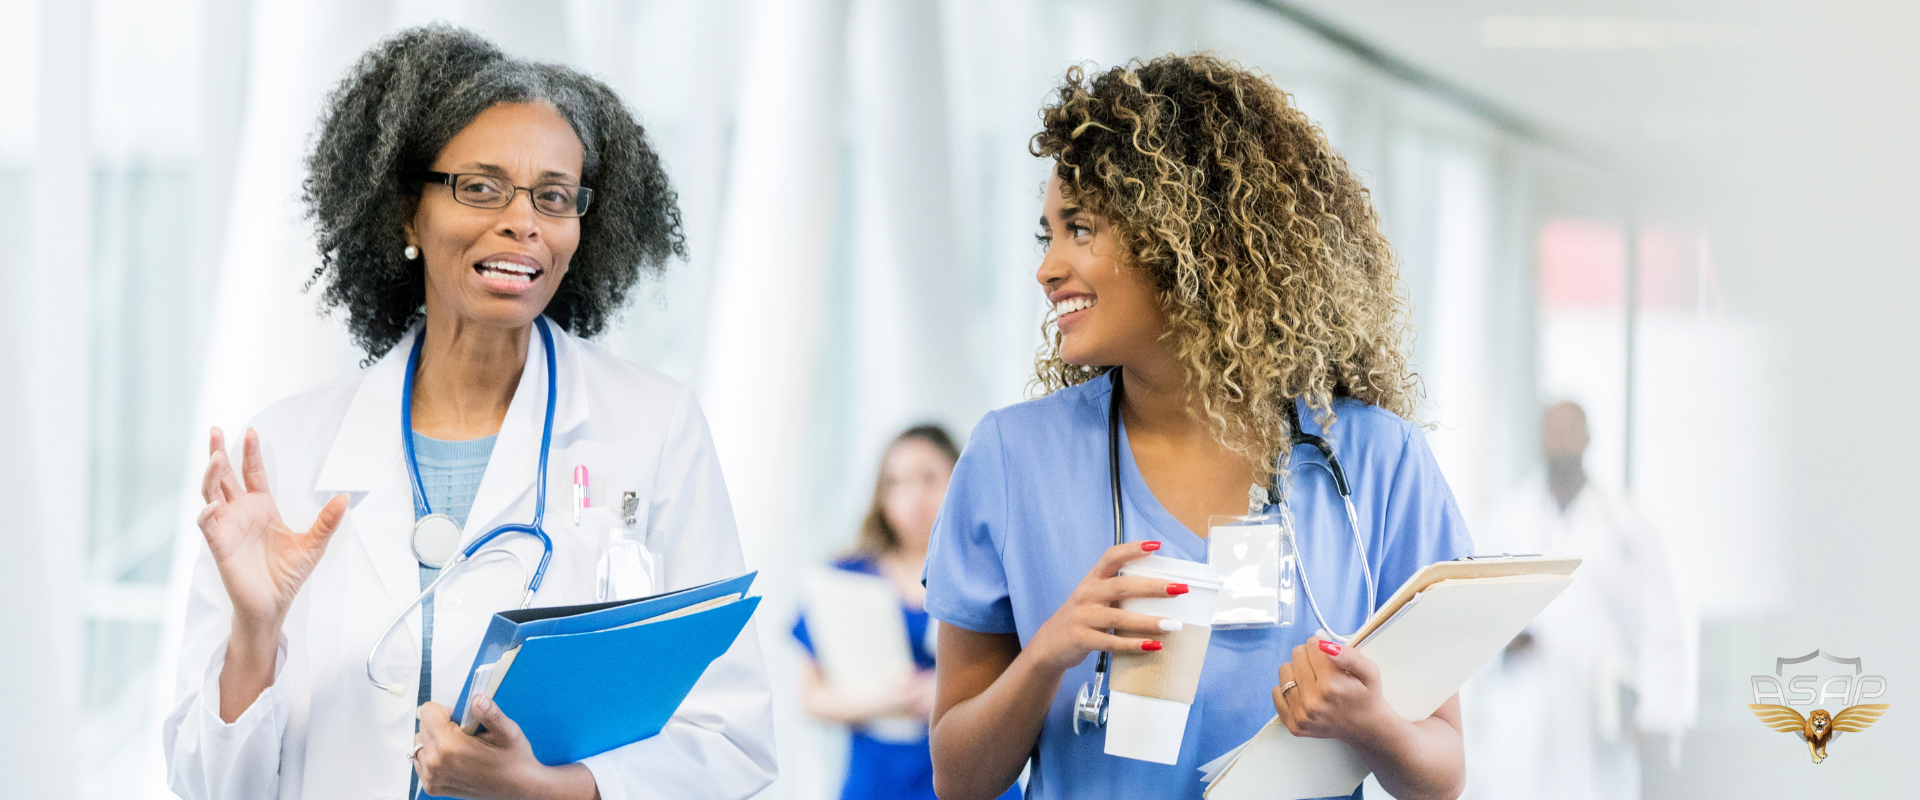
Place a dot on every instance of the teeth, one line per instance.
(1071, 305)
(509, 267)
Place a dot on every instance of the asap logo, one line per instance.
(1820, 727)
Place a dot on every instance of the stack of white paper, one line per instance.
(1426, 650)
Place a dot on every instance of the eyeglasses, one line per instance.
(492, 191)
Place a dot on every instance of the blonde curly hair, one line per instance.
(1262, 244)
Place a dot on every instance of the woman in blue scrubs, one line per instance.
(892, 764)
(1205, 245)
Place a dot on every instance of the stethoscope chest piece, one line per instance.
(1090, 707)
(436, 537)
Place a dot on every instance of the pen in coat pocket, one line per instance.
(580, 500)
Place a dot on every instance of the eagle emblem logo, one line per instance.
(1819, 728)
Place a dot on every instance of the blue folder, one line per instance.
(583, 684)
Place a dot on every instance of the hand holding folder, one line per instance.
(1435, 632)
(582, 680)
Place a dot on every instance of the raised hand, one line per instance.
(262, 562)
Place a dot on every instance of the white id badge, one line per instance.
(1256, 559)
(626, 568)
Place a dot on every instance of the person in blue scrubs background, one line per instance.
(1206, 245)
(893, 545)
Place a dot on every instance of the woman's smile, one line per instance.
(1071, 308)
(509, 273)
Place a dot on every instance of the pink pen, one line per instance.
(580, 499)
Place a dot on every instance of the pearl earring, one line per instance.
(411, 252)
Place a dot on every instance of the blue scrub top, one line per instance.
(1028, 512)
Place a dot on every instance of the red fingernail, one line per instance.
(1149, 645)
(1176, 589)
(1329, 648)
(1149, 546)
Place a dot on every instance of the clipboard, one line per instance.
(1501, 566)
(1433, 633)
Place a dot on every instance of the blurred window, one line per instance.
(150, 278)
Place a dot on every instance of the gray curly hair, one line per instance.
(388, 120)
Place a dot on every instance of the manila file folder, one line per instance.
(582, 680)
(1435, 632)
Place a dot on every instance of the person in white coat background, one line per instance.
(415, 187)
(1561, 713)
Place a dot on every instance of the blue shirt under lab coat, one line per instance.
(1028, 513)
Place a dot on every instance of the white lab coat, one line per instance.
(323, 731)
(1553, 724)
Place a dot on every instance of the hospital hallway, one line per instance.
(1661, 260)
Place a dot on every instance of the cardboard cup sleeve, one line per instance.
(1171, 673)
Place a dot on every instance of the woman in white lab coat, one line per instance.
(415, 187)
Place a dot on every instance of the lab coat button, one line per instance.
(451, 601)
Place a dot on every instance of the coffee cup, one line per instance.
(1153, 690)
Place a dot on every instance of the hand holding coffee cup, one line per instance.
(1331, 692)
(1153, 691)
(1081, 624)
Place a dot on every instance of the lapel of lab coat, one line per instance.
(366, 457)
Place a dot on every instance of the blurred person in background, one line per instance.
(1218, 279)
(427, 247)
(1559, 715)
(884, 764)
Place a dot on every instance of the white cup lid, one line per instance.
(1191, 573)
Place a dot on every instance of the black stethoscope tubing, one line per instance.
(1091, 705)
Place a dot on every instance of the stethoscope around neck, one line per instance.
(436, 537)
(1090, 706)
